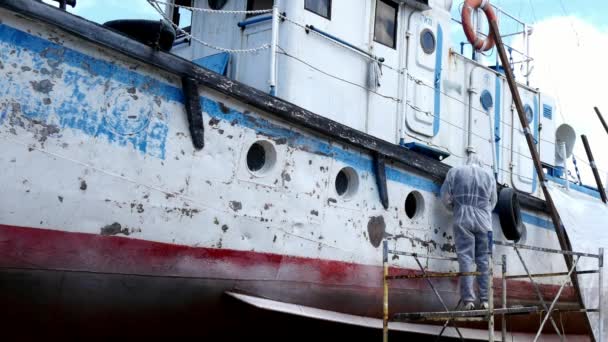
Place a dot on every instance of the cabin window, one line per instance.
(216, 4)
(257, 5)
(182, 17)
(320, 7)
(385, 30)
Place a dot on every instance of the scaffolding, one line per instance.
(450, 317)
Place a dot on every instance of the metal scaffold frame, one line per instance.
(449, 317)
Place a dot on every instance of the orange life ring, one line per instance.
(467, 10)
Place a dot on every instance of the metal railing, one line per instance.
(450, 316)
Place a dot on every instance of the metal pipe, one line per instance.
(601, 308)
(550, 275)
(273, 47)
(343, 42)
(385, 286)
(599, 115)
(547, 250)
(596, 174)
(243, 24)
(490, 276)
(562, 147)
(422, 255)
(504, 297)
(434, 275)
(472, 91)
(559, 293)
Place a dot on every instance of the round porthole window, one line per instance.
(414, 205)
(347, 182)
(217, 4)
(427, 41)
(529, 114)
(261, 157)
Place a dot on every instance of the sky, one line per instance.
(569, 44)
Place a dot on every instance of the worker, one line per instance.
(470, 192)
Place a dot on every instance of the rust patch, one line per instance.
(286, 177)
(83, 185)
(281, 141)
(44, 86)
(224, 228)
(223, 108)
(376, 228)
(138, 207)
(236, 206)
(114, 229)
(60, 198)
(314, 212)
(267, 206)
(214, 121)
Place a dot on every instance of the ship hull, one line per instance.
(109, 215)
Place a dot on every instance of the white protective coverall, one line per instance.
(470, 191)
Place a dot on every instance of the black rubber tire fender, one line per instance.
(509, 212)
(150, 32)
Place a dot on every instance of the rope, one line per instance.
(190, 36)
(208, 10)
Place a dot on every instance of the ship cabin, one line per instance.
(387, 68)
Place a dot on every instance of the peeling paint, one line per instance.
(236, 206)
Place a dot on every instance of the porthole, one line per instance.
(529, 114)
(261, 157)
(414, 205)
(347, 182)
(217, 4)
(427, 41)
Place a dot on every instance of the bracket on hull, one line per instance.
(194, 111)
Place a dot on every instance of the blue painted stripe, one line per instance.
(536, 139)
(537, 221)
(576, 187)
(438, 70)
(153, 87)
(497, 122)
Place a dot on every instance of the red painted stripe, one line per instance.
(59, 250)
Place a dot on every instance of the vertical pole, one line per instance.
(504, 297)
(491, 287)
(385, 285)
(596, 174)
(562, 147)
(273, 47)
(527, 42)
(599, 115)
(601, 296)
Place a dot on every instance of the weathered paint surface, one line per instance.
(100, 146)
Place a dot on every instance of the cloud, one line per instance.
(570, 65)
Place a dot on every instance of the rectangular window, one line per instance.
(182, 17)
(320, 7)
(256, 5)
(385, 30)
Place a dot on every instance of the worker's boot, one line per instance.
(469, 306)
(485, 305)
